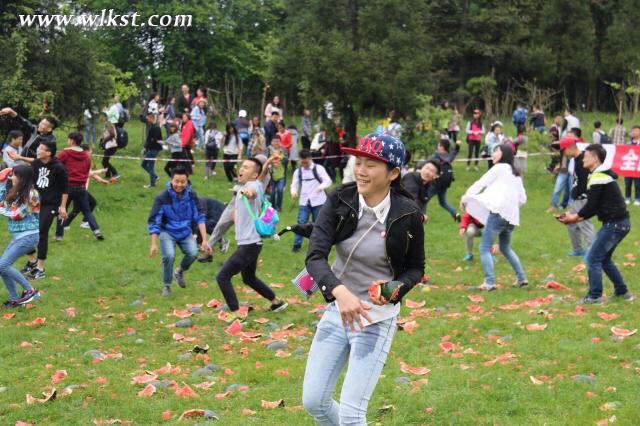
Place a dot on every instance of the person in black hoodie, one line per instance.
(604, 200)
(419, 182)
(152, 147)
(445, 156)
(52, 183)
(376, 229)
(39, 133)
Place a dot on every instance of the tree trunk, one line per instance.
(350, 125)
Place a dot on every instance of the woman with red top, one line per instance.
(475, 130)
(187, 137)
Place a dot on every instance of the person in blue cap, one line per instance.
(376, 230)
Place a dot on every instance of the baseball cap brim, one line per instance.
(356, 152)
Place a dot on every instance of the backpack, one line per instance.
(123, 117)
(268, 219)
(605, 138)
(122, 137)
(315, 175)
(520, 116)
(446, 176)
(143, 114)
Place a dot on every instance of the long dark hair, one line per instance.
(230, 129)
(22, 191)
(508, 157)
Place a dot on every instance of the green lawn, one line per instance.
(498, 373)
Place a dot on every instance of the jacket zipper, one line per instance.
(385, 240)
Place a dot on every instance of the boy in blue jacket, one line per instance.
(173, 212)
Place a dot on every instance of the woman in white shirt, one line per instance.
(495, 200)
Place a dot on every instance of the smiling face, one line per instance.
(179, 182)
(635, 133)
(428, 173)
(373, 177)
(45, 126)
(43, 154)
(248, 172)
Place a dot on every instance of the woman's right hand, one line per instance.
(352, 309)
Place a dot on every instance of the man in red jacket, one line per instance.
(77, 161)
(188, 137)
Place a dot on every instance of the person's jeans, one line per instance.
(629, 183)
(278, 192)
(149, 165)
(497, 227)
(168, 246)
(244, 261)
(474, 149)
(472, 231)
(90, 133)
(15, 250)
(563, 183)
(335, 345)
(199, 137)
(442, 200)
(303, 217)
(599, 257)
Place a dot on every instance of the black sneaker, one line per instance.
(296, 249)
(28, 267)
(36, 274)
(588, 300)
(10, 304)
(627, 296)
(280, 305)
(457, 218)
(98, 235)
(28, 296)
(179, 276)
(206, 258)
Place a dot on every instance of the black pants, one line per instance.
(187, 155)
(47, 215)
(230, 166)
(453, 136)
(244, 261)
(75, 212)
(306, 142)
(474, 149)
(106, 162)
(80, 198)
(210, 154)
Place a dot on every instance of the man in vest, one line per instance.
(605, 200)
(308, 184)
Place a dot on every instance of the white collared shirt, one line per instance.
(381, 210)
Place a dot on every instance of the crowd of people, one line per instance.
(375, 220)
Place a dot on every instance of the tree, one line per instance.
(361, 56)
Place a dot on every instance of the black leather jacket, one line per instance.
(338, 220)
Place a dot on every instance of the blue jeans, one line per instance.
(90, 133)
(599, 257)
(628, 184)
(168, 246)
(10, 275)
(278, 192)
(303, 217)
(563, 183)
(149, 165)
(442, 199)
(497, 227)
(335, 345)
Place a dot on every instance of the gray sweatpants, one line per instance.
(224, 223)
(581, 233)
(472, 231)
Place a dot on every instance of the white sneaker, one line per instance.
(486, 287)
(468, 168)
(627, 201)
(85, 225)
(636, 203)
(476, 168)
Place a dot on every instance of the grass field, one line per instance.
(105, 296)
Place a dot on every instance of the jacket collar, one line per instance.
(400, 205)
